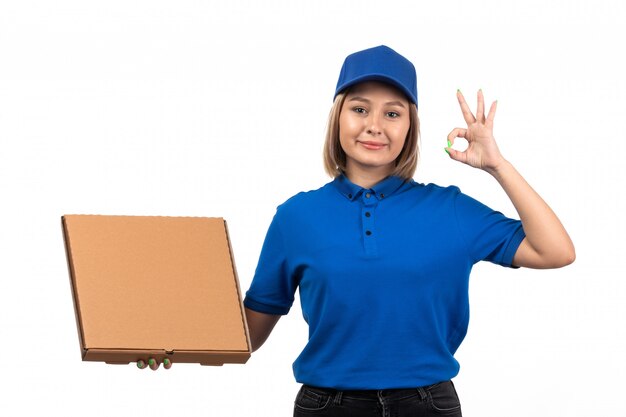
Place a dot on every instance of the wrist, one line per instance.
(500, 169)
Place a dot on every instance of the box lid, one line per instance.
(154, 283)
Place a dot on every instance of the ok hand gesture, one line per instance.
(482, 151)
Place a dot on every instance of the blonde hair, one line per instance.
(335, 157)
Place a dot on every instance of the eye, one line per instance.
(359, 110)
(393, 114)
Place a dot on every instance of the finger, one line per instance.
(141, 364)
(457, 132)
(154, 365)
(167, 364)
(480, 109)
(492, 113)
(456, 155)
(467, 113)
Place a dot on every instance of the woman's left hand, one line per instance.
(482, 151)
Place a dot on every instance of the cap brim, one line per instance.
(378, 77)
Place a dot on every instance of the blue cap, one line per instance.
(379, 64)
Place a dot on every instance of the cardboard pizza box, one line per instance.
(150, 286)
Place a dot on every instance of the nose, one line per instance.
(373, 125)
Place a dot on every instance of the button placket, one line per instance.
(367, 220)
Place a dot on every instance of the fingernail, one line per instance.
(140, 364)
(458, 90)
(445, 149)
(151, 362)
(449, 143)
(166, 361)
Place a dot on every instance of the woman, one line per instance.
(382, 263)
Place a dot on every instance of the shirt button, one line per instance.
(349, 195)
(368, 195)
(382, 195)
(367, 214)
(367, 232)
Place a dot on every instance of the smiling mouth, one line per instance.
(374, 146)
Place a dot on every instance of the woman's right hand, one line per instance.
(260, 326)
(153, 364)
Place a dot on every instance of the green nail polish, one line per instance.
(140, 364)
(446, 151)
(449, 143)
(151, 362)
(166, 361)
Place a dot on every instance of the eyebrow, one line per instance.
(389, 103)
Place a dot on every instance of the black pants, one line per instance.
(434, 400)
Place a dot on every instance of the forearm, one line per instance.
(547, 244)
(260, 326)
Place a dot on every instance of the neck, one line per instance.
(367, 178)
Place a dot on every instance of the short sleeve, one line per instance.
(273, 286)
(489, 235)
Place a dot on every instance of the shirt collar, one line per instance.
(382, 190)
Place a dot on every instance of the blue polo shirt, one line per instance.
(383, 278)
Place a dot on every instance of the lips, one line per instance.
(374, 146)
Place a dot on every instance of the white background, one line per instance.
(200, 108)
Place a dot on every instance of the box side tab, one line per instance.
(238, 286)
(70, 269)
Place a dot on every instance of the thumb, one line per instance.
(456, 155)
(457, 132)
